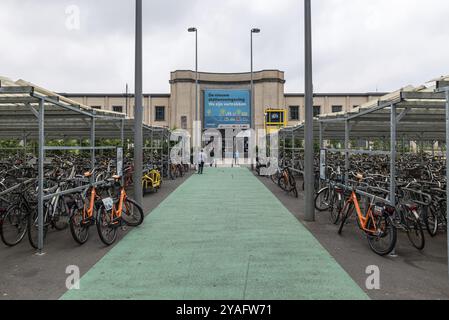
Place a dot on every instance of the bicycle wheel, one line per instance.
(13, 226)
(61, 218)
(283, 183)
(322, 202)
(384, 242)
(415, 231)
(346, 213)
(106, 228)
(33, 228)
(335, 207)
(78, 228)
(132, 213)
(430, 217)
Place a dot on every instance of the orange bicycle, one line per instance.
(376, 223)
(84, 215)
(117, 211)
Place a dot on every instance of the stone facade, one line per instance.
(177, 109)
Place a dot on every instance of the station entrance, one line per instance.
(228, 146)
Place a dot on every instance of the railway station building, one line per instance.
(224, 100)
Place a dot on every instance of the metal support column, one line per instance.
(393, 156)
(447, 162)
(138, 110)
(40, 195)
(347, 160)
(309, 170)
(92, 146)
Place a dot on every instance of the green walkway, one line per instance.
(222, 235)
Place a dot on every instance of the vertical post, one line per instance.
(138, 112)
(347, 146)
(197, 108)
(447, 161)
(252, 83)
(122, 143)
(92, 147)
(393, 156)
(308, 127)
(41, 147)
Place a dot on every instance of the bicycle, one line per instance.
(115, 212)
(376, 223)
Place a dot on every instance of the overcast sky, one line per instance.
(359, 45)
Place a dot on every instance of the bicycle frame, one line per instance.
(363, 219)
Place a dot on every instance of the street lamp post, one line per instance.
(308, 130)
(253, 109)
(195, 127)
(138, 111)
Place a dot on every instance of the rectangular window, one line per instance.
(316, 111)
(336, 109)
(294, 113)
(96, 107)
(118, 109)
(160, 114)
(184, 123)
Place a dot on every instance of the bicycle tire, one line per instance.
(140, 215)
(430, 218)
(324, 191)
(7, 218)
(80, 233)
(414, 227)
(106, 231)
(33, 228)
(392, 243)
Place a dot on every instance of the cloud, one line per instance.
(358, 45)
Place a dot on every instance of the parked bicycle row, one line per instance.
(76, 197)
(419, 204)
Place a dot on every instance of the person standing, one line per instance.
(237, 155)
(201, 161)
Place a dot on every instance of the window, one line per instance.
(184, 123)
(316, 111)
(336, 109)
(118, 109)
(96, 107)
(294, 113)
(160, 114)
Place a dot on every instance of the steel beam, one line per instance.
(40, 195)
(138, 110)
(309, 170)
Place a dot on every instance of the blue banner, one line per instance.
(227, 109)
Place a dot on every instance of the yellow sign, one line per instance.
(275, 119)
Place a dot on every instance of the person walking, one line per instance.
(201, 161)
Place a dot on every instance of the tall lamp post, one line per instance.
(196, 123)
(253, 109)
(309, 146)
(138, 111)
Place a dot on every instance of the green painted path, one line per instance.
(222, 235)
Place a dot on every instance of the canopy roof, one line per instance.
(420, 113)
(20, 103)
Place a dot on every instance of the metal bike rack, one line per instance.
(21, 103)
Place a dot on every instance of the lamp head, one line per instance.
(192, 29)
(255, 30)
